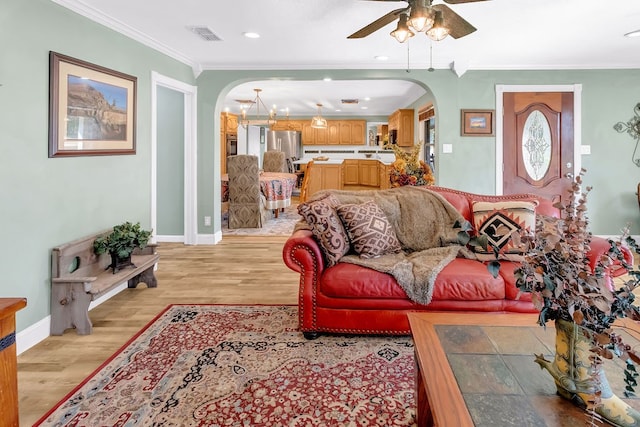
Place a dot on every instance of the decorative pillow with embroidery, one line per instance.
(369, 230)
(499, 221)
(326, 227)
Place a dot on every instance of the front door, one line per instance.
(538, 143)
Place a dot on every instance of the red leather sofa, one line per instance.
(351, 299)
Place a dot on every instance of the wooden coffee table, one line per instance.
(477, 369)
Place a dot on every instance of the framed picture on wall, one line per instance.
(92, 109)
(477, 122)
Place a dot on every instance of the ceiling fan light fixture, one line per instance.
(439, 31)
(421, 17)
(318, 122)
(402, 31)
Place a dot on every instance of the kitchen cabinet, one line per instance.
(324, 177)
(350, 172)
(401, 121)
(358, 132)
(313, 136)
(338, 132)
(287, 124)
(333, 132)
(368, 172)
(384, 174)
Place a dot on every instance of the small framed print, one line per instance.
(477, 123)
(92, 109)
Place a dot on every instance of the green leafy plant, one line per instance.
(122, 240)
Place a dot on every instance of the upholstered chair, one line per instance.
(247, 204)
(274, 161)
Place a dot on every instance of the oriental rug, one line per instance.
(219, 365)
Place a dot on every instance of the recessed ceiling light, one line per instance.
(635, 33)
(338, 110)
(364, 108)
(251, 35)
(381, 57)
(327, 79)
(367, 99)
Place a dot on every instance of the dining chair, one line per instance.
(274, 161)
(304, 188)
(247, 204)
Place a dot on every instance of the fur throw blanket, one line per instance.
(424, 224)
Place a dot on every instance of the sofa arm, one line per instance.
(301, 253)
(600, 247)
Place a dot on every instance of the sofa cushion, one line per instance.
(461, 280)
(511, 291)
(499, 221)
(369, 230)
(326, 227)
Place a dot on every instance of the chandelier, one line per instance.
(263, 116)
(421, 18)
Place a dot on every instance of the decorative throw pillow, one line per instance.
(369, 229)
(499, 221)
(326, 227)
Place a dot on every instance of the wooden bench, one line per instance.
(79, 276)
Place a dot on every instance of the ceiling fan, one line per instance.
(438, 21)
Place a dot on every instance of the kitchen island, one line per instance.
(344, 174)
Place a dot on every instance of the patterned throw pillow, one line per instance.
(369, 229)
(498, 221)
(326, 227)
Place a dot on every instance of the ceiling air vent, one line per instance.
(349, 101)
(205, 34)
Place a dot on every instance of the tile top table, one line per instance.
(477, 369)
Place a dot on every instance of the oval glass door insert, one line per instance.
(536, 145)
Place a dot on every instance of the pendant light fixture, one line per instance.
(421, 16)
(402, 31)
(318, 122)
(439, 31)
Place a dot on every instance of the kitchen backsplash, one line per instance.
(352, 152)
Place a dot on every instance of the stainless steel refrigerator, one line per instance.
(288, 141)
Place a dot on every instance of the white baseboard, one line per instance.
(170, 239)
(37, 332)
(209, 239)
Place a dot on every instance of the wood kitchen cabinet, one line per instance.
(368, 173)
(338, 132)
(350, 172)
(402, 122)
(313, 136)
(324, 177)
(286, 124)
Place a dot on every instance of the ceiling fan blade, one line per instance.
(458, 26)
(461, 1)
(377, 24)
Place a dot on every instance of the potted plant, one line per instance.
(584, 306)
(121, 242)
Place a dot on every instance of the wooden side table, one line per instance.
(8, 362)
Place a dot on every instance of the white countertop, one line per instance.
(337, 161)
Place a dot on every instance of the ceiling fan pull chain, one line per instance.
(430, 69)
(408, 70)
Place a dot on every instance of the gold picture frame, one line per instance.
(477, 123)
(92, 109)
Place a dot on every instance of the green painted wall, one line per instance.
(608, 96)
(46, 202)
(170, 169)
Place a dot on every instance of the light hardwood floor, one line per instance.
(239, 270)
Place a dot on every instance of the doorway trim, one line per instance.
(190, 153)
(577, 123)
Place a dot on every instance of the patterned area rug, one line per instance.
(216, 365)
(281, 226)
